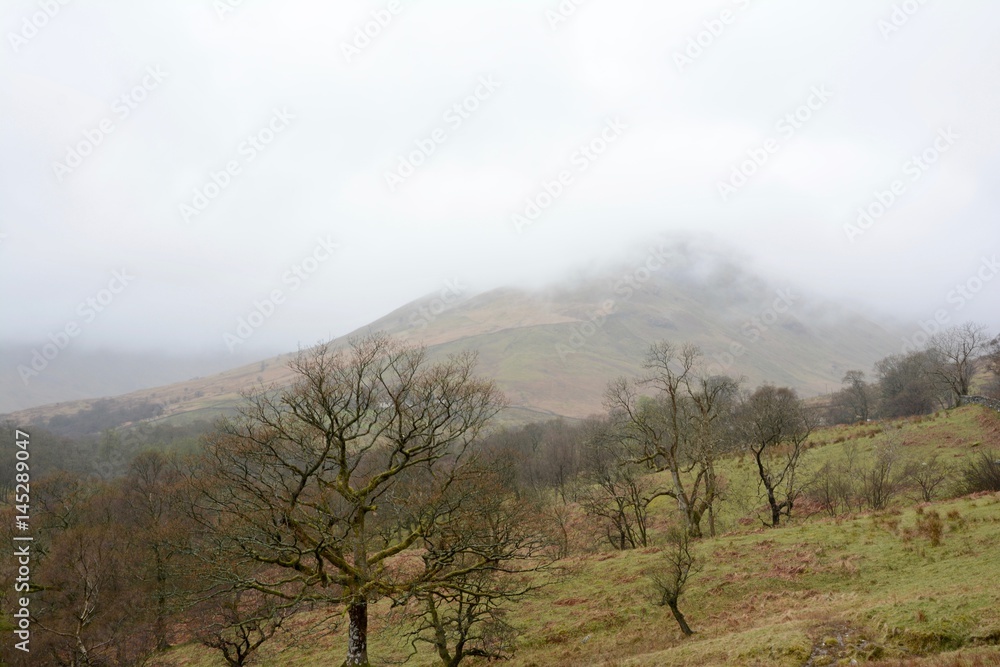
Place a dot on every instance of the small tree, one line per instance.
(237, 622)
(493, 552)
(929, 476)
(956, 354)
(882, 477)
(906, 386)
(835, 485)
(620, 496)
(773, 425)
(855, 401)
(670, 577)
(993, 364)
(467, 621)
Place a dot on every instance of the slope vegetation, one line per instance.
(912, 585)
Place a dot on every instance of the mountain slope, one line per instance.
(553, 350)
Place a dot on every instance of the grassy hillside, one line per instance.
(913, 585)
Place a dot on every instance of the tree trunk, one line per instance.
(357, 635)
(440, 637)
(685, 628)
(160, 624)
(775, 507)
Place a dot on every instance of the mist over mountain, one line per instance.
(551, 349)
(33, 375)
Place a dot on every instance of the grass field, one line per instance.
(916, 584)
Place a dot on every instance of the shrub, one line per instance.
(982, 473)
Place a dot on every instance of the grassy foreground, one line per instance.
(915, 585)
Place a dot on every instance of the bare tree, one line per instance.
(153, 513)
(675, 429)
(883, 476)
(981, 473)
(330, 481)
(773, 425)
(992, 357)
(88, 606)
(856, 396)
(906, 385)
(548, 455)
(714, 399)
(618, 493)
(835, 485)
(237, 622)
(929, 476)
(493, 552)
(956, 352)
(670, 577)
(467, 621)
(559, 460)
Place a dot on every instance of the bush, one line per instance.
(982, 473)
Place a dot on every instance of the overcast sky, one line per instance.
(178, 162)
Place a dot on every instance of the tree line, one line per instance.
(921, 381)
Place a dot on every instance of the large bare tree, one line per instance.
(328, 483)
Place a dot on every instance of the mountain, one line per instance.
(553, 350)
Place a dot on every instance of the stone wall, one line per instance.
(991, 403)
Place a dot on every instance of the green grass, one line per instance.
(876, 588)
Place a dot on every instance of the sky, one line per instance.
(248, 176)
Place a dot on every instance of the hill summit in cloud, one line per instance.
(554, 349)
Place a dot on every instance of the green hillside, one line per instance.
(912, 585)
